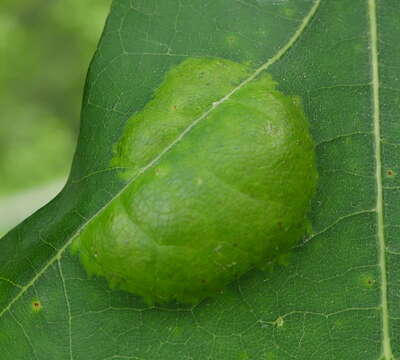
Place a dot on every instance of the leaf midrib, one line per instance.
(279, 54)
(386, 343)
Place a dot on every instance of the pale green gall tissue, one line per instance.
(220, 175)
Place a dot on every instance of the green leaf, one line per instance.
(338, 295)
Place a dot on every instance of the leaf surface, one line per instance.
(338, 296)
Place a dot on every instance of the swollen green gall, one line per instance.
(219, 174)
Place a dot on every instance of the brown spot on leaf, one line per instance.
(36, 305)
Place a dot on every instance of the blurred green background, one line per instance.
(45, 50)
